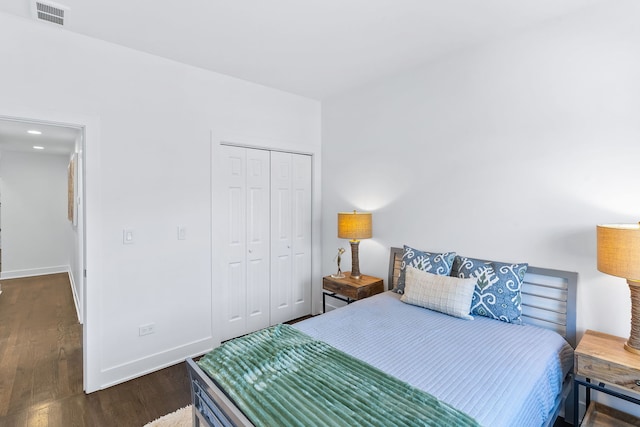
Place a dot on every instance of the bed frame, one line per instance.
(548, 301)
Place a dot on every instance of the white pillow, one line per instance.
(446, 294)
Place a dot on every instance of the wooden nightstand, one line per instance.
(351, 289)
(602, 360)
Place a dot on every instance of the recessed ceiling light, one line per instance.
(34, 132)
(38, 147)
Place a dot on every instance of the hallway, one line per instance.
(41, 366)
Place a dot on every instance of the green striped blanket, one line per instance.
(280, 376)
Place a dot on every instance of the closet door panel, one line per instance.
(301, 238)
(280, 285)
(280, 237)
(280, 257)
(232, 255)
(290, 236)
(237, 293)
(257, 240)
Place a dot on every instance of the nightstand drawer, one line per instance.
(608, 372)
(603, 358)
(352, 289)
(601, 361)
(355, 289)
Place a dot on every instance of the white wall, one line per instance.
(510, 151)
(35, 227)
(147, 156)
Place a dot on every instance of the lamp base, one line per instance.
(355, 261)
(633, 344)
(631, 349)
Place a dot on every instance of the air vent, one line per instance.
(49, 12)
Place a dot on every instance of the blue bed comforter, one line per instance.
(498, 373)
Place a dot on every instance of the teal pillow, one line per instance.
(434, 263)
(498, 289)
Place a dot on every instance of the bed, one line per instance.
(494, 373)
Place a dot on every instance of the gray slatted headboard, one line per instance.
(548, 297)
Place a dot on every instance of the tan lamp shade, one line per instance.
(354, 225)
(619, 250)
(619, 255)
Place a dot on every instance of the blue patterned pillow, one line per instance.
(433, 263)
(497, 294)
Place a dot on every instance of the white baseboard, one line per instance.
(17, 274)
(137, 368)
(76, 299)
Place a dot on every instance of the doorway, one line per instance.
(39, 162)
(60, 147)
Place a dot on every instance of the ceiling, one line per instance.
(314, 48)
(55, 139)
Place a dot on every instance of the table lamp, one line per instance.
(619, 255)
(354, 226)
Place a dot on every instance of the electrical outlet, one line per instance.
(149, 328)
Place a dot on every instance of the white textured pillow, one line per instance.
(446, 294)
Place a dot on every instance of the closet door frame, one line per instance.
(217, 315)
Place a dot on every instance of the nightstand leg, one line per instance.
(576, 402)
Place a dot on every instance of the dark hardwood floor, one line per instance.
(41, 366)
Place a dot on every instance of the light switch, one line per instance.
(182, 232)
(127, 236)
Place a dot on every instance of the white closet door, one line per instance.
(290, 236)
(301, 235)
(243, 227)
(257, 221)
